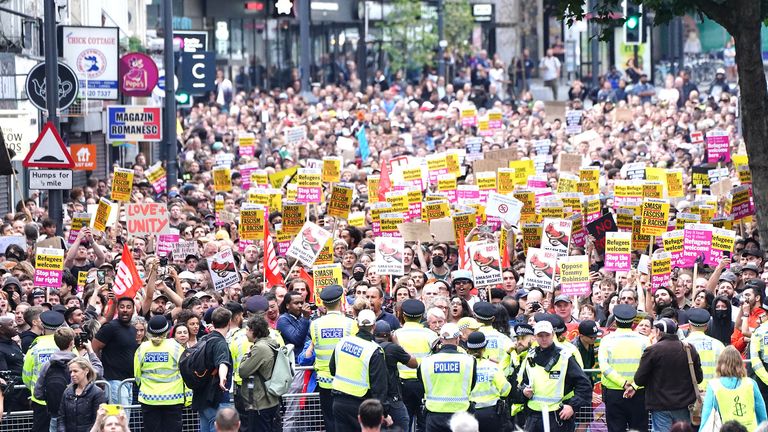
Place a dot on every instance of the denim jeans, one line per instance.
(662, 420)
(125, 396)
(54, 424)
(399, 415)
(208, 417)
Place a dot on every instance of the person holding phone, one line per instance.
(77, 260)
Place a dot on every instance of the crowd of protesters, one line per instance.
(91, 333)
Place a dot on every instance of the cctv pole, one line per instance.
(594, 45)
(169, 114)
(441, 38)
(55, 197)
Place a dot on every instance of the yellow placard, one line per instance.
(341, 201)
(222, 179)
(661, 265)
(653, 190)
(590, 174)
(378, 209)
(252, 221)
(324, 276)
(655, 216)
(277, 179)
(485, 180)
(389, 222)
(532, 235)
(446, 182)
(331, 169)
(326, 253)
(294, 216)
(411, 175)
(745, 175)
(398, 200)
(452, 162)
(218, 204)
(356, 219)
(122, 184)
(588, 187)
(552, 210)
(528, 198)
(373, 188)
(102, 215)
(625, 218)
(437, 162)
(260, 178)
(49, 259)
(463, 223)
(673, 241)
(523, 169)
(675, 183)
(435, 210)
(685, 218)
(639, 241)
(505, 180)
(567, 183)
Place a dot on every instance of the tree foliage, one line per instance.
(409, 40)
(458, 25)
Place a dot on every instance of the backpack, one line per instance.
(193, 366)
(56, 380)
(281, 379)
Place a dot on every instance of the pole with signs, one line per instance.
(169, 128)
(55, 197)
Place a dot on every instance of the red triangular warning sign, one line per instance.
(49, 151)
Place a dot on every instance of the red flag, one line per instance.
(127, 280)
(464, 263)
(310, 283)
(272, 275)
(384, 183)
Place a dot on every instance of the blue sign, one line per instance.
(198, 72)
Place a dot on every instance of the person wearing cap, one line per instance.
(467, 325)
(38, 355)
(359, 372)
(448, 377)
(548, 374)
(499, 346)
(586, 343)
(709, 348)
(751, 315)
(564, 308)
(749, 271)
(523, 340)
(418, 341)
(156, 370)
(619, 357)
(394, 355)
(560, 331)
(325, 332)
(491, 386)
(463, 283)
(665, 373)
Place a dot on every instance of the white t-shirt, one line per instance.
(549, 67)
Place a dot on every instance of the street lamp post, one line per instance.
(442, 44)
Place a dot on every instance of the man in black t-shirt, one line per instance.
(208, 400)
(394, 354)
(115, 344)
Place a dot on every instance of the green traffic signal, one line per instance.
(182, 98)
(632, 22)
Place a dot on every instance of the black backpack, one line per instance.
(56, 380)
(194, 368)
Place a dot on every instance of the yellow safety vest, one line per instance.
(498, 346)
(737, 404)
(518, 359)
(619, 357)
(758, 355)
(548, 387)
(325, 333)
(490, 384)
(447, 379)
(353, 359)
(156, 369)
(709, 350)
(239, 345)
(417, 341)
(38, 354)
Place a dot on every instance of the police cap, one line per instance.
(51, 320)
(331, 294)
(413, 308)
(476, 340)
(624, 314)
(484, 311)
(698, 317)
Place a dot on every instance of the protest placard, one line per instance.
(307, 245)
(556, 236)
(673, 242)
(122, 184)
(531, 235)
(183, 249)
(655, 217)
(505, 207)
(49, 266)
(574, 275)
(331, 171)
(326, 253)
(102, 215)
(389, 224)
(253, 218)
(722, 245)
(223, 270)
(540, 269)
(295, 135)
(356, 219)
(618, 251)
(166, 242)
(485, 262)
(79, 220)
(246, 144)
(340, 201)
(156, 175)
(222, 179)
(742, 204)
(389, 256)
(147, 218)
(697, 240)
(309, 185)
(324, 276)
(718, 147)
(573, 120)
(661, 270)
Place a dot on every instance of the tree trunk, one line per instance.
(754, 106)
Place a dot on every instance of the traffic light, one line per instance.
(633, 24)
(183, 99)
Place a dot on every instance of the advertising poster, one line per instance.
(92, 53)
(134, 123)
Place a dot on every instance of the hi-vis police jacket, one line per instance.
(557, 373)
(448, 377)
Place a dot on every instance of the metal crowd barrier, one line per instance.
(300, 413)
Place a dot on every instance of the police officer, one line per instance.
(359, 373)
(758, 357)
(418, 341)
(560, 329)
(523, 340)
(619, 356)
(325, 332)
(39, 353)
(448, 377)
(499, 346)
(394, 355)
(156, 368)
(490, 388)
(709, 348)
(549, 373)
